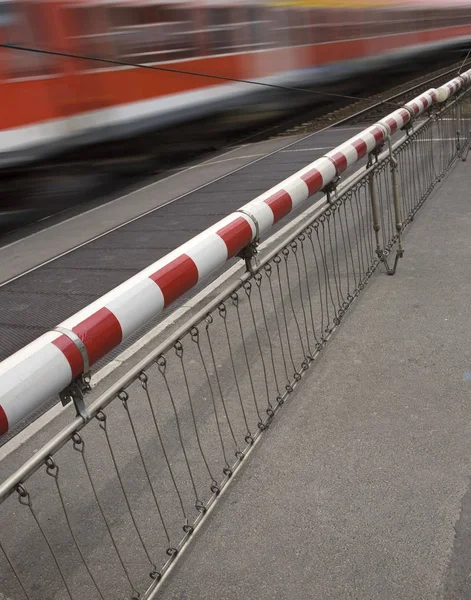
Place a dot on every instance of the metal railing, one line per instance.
(68, 352)
(103, 509)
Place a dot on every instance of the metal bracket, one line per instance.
(249, 254)
(253, 219)
(383, 259)
(374, 154)
(80, 347)
(464, 157)
(75, 393)
(76, 390)
(331, 188)
(408, 127)
(410, 124)
(393, 160)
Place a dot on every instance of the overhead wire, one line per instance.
(122, 63)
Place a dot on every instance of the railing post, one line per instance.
(467, 130)
(458, 129)
(397, 207)
(397, 211)
(465, 157)
(374, 211)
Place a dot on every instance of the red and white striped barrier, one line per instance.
(453, 86)
(49, 364)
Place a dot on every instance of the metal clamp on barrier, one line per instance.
(252, 218)
(410, 124)
(373, 156)
(75, 392)
(375, 153)
(331, 188)
(249, 253)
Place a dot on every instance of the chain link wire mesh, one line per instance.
(105, 512)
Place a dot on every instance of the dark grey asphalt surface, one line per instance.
(361, 490)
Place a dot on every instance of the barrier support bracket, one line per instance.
(464, 156)
(249, 254)
(331, 188)
(373, 156)
(75, 392)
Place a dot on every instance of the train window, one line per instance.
(300, 27)
(420, 22)
(280, 27)
(361, 25)
(413, 21)
(252, 28)
(242, 29)
(240, 33)
(450, 18)
(320, 25)
(308, 23)
(335, 23)
(220, 30)
(149, 34)
(395, 22)
(16, 29)
(89, 35)
(255, 27)
(290, 28)
(342, 25)
(347, 28)
(179, 35)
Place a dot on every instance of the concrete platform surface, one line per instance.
(361, 490)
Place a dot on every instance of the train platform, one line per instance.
(361, 489)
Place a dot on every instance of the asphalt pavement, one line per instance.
(361, 489)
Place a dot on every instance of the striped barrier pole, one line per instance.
(55, 360)
(453, 86)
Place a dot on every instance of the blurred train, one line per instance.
(51, 103)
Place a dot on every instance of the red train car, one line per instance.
(53, 102)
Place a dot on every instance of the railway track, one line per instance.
(377, 105)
